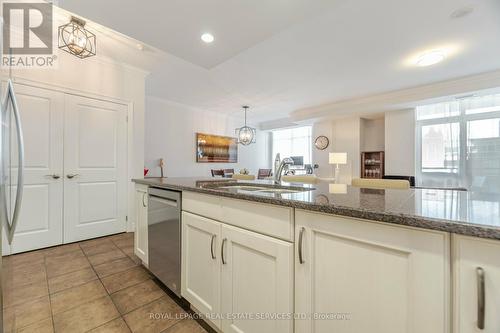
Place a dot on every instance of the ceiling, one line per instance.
(283, 56)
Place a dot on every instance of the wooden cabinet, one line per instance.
(201, 269)
(364, 276)
(141, 223)
(257, 279)
(372, 164)
(476, 273)
(229, 270)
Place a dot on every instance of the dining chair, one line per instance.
(228, 173)
(217, 172)
(264, 173)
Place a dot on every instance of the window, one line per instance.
(458, 144)
(294, 142)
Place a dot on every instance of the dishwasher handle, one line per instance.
(165, 201)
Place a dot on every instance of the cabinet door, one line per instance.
(95, 164)
(473, 256)
(201, 264)
(141, 224)
(257, 279)
(40, 219)
(362, 276)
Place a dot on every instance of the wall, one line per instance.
(171, 129)
(373, 134)
(400, 142)
(345, 136)
(320, 157)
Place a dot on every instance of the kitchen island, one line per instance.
(337, 258)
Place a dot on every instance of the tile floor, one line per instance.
(97, 285)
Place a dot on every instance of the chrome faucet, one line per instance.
(277, 176)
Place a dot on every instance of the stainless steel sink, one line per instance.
(266, 188)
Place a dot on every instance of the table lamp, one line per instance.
(337, 159)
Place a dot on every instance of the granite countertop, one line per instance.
(461, 212)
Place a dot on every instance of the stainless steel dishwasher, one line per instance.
(164, 237)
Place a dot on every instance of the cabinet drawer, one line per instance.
(271, 220)
(266, 219)
(202, 204)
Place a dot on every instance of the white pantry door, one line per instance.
(95, 167)
(40, 219)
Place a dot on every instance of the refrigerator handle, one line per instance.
(11, 228)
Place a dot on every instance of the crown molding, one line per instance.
(403, 98)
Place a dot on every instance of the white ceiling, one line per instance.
(283, 56)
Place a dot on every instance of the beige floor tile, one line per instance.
(106, 256)
(186, 326)
(115, 266)
(103, 247)
(66, 263)
(61, 250)
(19, 295)
(73, 297)
(33, 257)
(124, 242)
(128, 250)
(85, 245)
(122, 280)
(154, 317)
(133, 297)
(16, 317)
(86, 317)
(18, 275)
(123, 235)
(71, 280)
(44, 326)
(135, 259)
(115, 326)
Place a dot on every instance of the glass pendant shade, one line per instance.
(75, 39)
(246, 134)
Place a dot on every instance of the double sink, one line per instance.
(264, 188)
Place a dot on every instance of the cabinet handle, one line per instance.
(301, 236)
(54, 176)
(212, 247)
(143, 201)
(72, 175)
(481, 299)
(222, 251)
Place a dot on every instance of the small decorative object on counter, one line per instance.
(146, 170)
(244, 171)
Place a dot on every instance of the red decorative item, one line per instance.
(146, 171)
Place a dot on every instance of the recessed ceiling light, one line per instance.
(461, 12)
(430, 58)
(207, 38)
(140, 47)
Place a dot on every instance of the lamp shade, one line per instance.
(337, 158)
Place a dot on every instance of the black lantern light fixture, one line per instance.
(75, 39)
(246, 134)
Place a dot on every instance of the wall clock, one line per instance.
(321, 142)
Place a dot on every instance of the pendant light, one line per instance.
(75, 39)
(246, 135)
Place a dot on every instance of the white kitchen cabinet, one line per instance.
(476, 272)
(201, 264)
(369, 277)
(257, 279)
(141, 223)
(229, 270)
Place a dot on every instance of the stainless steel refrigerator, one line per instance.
(11, 171)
